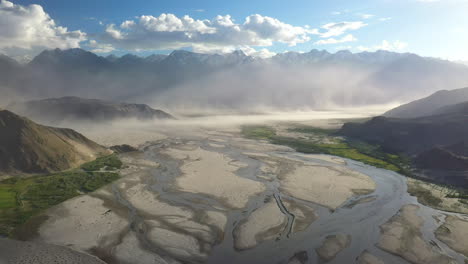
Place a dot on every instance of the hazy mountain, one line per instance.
(307, 80)
(69, 59)
(411, 136)
(343, 56)
(438, 124)
(461, 107)
(436, 143)
(430, 105)
(57, 110)
(9, 69)
(32, 148)
(155, 58)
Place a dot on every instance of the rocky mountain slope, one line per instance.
(436, 143)
(411, 136)
(440, 158)
(32, 148)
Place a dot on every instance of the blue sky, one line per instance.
(437, 28)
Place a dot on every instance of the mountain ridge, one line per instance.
(429, 105)
(186, 77)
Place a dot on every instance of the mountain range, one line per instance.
(27, 147)
(234, 80)
(58, 110)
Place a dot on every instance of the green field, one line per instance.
(337, 146)
(22, 198)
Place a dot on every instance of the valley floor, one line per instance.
(205, 195)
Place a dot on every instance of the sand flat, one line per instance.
(82, 223)
(326, 186)
(129, 251)
(367, 258)
(333, 245)
(304, 215)
(177, 244)
(263, 224)
(19, 252)
(454, 233)
(401, 236)
(213, 173)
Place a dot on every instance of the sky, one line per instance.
(436, 28)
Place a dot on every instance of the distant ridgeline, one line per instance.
(57, 110)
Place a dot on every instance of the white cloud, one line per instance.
(384, 19)
(168, 31)
(28, 28)
(261, 53)
(100, 47)
(386, 45)
(337, 29)
(272, 29)
(347, 38)
(336, 13)
(366, 16)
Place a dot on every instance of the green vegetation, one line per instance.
(22, 198)
(312, 130)
(323, 141)
(108, 163)
(258, 132)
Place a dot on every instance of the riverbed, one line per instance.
(214, 197)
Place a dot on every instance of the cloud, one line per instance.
(366, 16)
(386, 45)
(168, 31)
(249, 51)
(337, 29)
(384, 19)
(347, 38)
(262, 53)
(100, 47)
(27, 28)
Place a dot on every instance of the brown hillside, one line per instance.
(32, 148)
